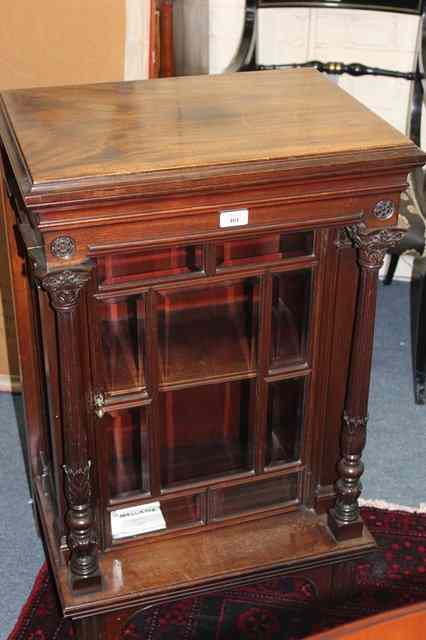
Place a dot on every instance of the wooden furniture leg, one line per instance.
(344, 520)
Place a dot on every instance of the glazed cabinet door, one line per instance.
(202, 363)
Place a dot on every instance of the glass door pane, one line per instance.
(122, 337)
(205, 431)
(291, 294)
(267, 248)
(285, 421)
(126, 435)
(164, 262)
(253, 496)
(209, 332)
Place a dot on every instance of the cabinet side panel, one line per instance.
(9, 360)
(48, 333)
(26, 317)
(345, 302)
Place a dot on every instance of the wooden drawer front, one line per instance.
(258, 495)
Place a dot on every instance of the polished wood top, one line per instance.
(65, 135)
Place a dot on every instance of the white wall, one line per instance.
(296, 35)
(374, 38)
(136, 50)
(226, 24)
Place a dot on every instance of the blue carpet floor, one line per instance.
(394, 456)
(396, 444)
(21, 551)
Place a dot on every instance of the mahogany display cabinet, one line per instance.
(195, 267)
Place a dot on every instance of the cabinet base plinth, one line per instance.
(344, 530)
(82, 584)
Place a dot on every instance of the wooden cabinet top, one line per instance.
(98, 137)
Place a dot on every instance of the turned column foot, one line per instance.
(344, 530)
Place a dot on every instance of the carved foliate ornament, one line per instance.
(81, 534)
(64, 287)
(353, 434)
(373, 243)
(350, 468)
(63, 247)
(354, 424)
(77, 488)
(343, 239)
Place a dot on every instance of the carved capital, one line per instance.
(372, 244)
(64, 287)
(63, 247)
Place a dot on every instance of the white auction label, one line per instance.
(132, 521)
(235, 218)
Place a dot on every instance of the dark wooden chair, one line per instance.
(413, 206)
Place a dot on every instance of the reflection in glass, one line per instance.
(149, 264)
(122, 329)
(182, 512)
(295, 245)
(127, 439)
(268, 248)
(208, 332)
(285, 421)
(291, 293)
(262, 494)
(205, 432)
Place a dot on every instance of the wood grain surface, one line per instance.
(168, 569)
(176, 123)
(123, 174)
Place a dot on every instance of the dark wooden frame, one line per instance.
(63, 227)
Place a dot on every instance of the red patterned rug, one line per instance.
(283, 608)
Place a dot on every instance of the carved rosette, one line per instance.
(64, 287)
(384, 209)
(373, 244)
(81, 536)
(63, 247)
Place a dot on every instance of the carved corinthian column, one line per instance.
(344, 520)
(65, 289)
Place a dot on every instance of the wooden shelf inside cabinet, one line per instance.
(209, 336)
(202, 269)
